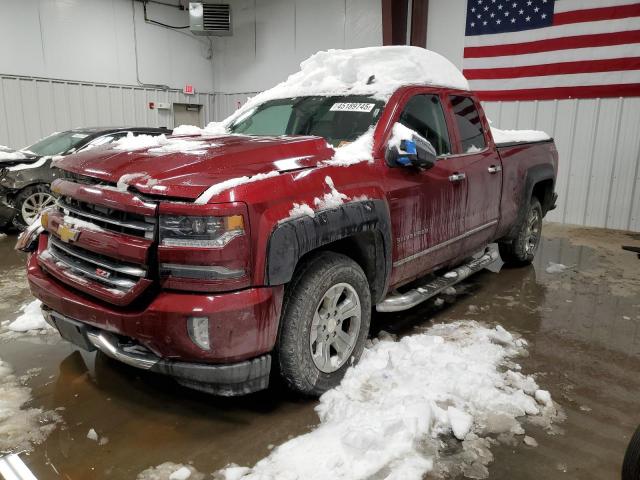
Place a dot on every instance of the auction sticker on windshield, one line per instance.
(352, 107)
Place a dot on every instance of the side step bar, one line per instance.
(405, 301)
(13, 468)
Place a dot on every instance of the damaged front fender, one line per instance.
(294, 238)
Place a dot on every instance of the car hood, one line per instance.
(188, 173)
(7, 160)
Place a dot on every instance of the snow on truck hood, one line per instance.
(188, 167)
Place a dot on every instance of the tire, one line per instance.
(312, 320)
(631, 463)
(523, 248)
(30, 202)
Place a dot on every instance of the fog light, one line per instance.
(198, 328)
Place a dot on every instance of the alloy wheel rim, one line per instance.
(335, 327)
(34, 204)
(533, 232)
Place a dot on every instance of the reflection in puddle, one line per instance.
(581, 325)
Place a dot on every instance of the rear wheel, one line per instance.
(523, 248)
(30, 202)
(325, 323)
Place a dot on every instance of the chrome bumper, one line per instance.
(108, 344)
(220, 379)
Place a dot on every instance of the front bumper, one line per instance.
(243, 326)
(226, 380)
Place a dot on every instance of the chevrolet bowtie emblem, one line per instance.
(67, 234)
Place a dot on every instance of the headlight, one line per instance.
(190, 231)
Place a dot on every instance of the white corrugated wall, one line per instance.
(32, 108)
(598, 143)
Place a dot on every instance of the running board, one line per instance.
(405, 301)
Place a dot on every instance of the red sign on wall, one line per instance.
(188, 90)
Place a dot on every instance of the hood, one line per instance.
(10, 158)
(188, 173)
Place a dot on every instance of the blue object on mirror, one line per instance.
(410, 147)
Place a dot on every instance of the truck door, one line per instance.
(482, 169)
(427, 207)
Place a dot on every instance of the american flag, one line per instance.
(546, 49)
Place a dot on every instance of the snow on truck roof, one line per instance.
(376, 71)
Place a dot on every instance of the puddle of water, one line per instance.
(582, 325)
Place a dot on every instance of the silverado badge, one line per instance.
(67, 234)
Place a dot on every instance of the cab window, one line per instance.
(469, 124)
(424, 115)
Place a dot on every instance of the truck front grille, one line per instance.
(89, 266)
(109, 218)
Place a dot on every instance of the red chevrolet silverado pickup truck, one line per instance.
(266, 242)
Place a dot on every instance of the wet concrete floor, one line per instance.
(582, 325)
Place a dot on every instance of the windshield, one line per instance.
(339, 119)
(57, 143)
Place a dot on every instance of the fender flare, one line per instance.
(290, 240)
(533, 175)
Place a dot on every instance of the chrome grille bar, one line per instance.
(78, 266)
(101, 262)
(141, 226)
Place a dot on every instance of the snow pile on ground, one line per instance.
(332, 199)
(30, 319)
(453, 388)
(170, 471)
(376, 71)
(217, 188)
(20, 428)
(556, 267)
(513, 136)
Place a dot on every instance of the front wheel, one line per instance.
(30, 202)
(523, 248)
(631, 463)
(325, 323)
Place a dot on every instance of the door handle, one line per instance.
(494, 169)
(457, 177)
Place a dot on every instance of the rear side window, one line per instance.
(469, 125)
(424, 115)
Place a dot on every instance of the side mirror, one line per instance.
(416, 152)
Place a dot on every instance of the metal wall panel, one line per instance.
(598, 144)
(31, 108)
(227, 103)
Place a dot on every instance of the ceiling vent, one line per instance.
(210, 18)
